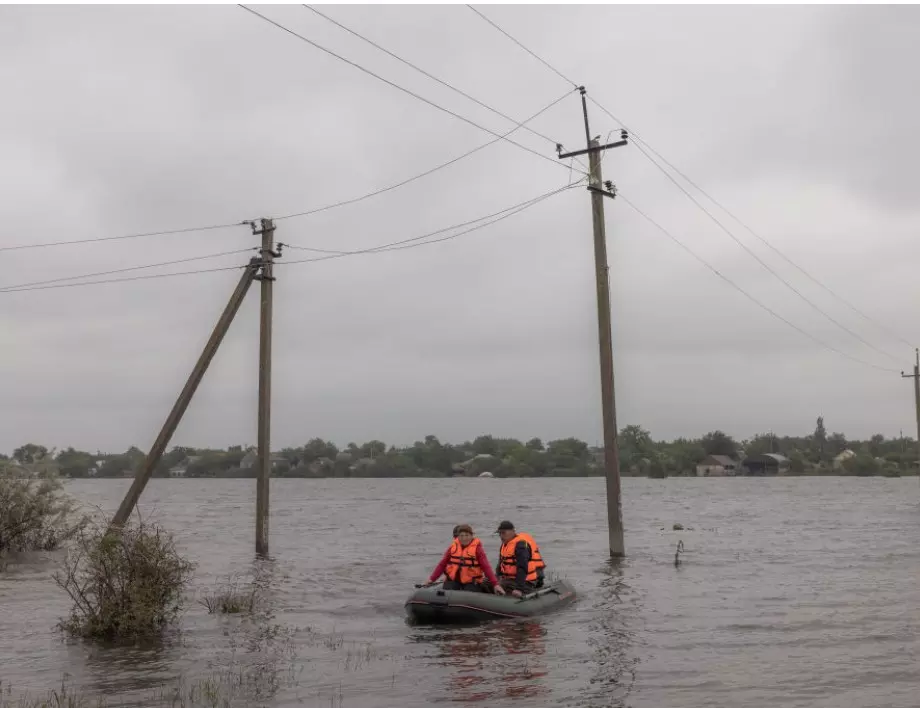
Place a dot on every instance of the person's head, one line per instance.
(456, 529)
(506, 531)
(464, 534)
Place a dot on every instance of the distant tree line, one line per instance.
(640, 455)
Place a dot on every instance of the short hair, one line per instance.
(456, 530)
(464, 527)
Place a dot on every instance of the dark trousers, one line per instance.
(508, 584)
(457, 585)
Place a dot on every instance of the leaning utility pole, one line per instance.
(265, 384)
(608, 396)
(258, 269)
(916, 377)
(185, 397)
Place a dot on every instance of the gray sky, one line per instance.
(120, 120)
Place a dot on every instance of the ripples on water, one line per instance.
(792, 592)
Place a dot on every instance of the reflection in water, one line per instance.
(250, 656)
(611, 637)
(125, 668)
(501, 659)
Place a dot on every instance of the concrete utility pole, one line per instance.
(265, 384)
(608, 396)
(185, 397)
(916, 377)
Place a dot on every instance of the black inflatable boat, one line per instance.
(434, 604)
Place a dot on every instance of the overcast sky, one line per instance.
(117, 120)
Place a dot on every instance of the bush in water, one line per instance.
(124, 583)
(35, 512)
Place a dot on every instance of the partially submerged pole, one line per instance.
(605, 340)
(265, 386)
(601, 190)
(916, 377)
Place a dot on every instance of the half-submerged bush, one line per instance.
(35, 512)
(125, 584)
(230, 599)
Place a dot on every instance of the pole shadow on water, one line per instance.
(488, 662)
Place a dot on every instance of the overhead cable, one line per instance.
(744, 292)
(31, 286)
(398, 87)
(747, 228)
(374, 193)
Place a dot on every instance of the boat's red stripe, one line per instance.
(466, 607)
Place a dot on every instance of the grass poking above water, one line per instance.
(230, 600)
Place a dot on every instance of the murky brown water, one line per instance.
(793, 592)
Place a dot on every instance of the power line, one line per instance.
(711, 216)
(534, 55)
(354, 200)
(429, 75)
(30, 286)
(49, 244)
(397, 86)
(317, 210)
(756, 235)
(747, 294)
(124, 280)
(765, 265)
(192, 229)
(396, 245)
(417, 241)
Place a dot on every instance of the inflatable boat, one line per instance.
(434, 604)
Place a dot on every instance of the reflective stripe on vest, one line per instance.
(463, 565)
(508, 563)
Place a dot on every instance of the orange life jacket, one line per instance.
(463, 565)
(508, 565)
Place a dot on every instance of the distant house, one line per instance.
(843, 457)
(323, 465)
(717, 466)
(363, 464)
(181, 469)
(766, 464)
(252, 457)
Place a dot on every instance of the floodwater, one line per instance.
(792, 592)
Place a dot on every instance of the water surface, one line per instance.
(792, 592)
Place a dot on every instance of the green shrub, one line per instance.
(35, 512)
(125, 583)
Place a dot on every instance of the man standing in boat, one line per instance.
(520, 564)
(465, 563)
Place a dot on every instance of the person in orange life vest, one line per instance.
(465, 563)
(520, 564)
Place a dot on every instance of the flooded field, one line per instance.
(792, 592)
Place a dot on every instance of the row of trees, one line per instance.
(640, 454)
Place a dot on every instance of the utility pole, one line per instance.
(916, 377)
(185, 397)
(597, 186)
(263, 482)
